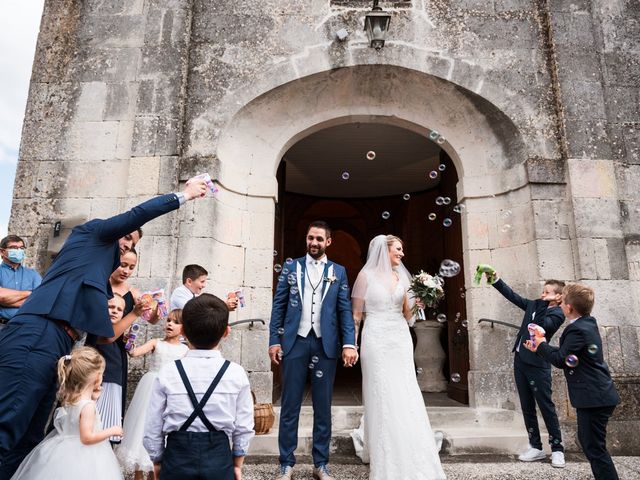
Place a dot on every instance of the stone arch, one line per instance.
(484, 144)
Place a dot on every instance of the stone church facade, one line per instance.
(537, 103)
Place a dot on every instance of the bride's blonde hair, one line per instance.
(393, 238)
(76, 371)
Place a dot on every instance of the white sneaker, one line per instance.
(557, 459)
(532, 455)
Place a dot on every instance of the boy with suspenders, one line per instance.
(200, 404)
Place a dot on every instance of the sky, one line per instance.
(19, 26)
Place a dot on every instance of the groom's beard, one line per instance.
(316, 253)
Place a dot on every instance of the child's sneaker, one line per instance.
(557, 459)
(532, 455)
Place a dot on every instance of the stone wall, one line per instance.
(538, 101)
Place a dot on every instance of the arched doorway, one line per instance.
(328, 176)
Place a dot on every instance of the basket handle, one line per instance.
(254, 397)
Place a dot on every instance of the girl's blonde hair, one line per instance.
(76, 371)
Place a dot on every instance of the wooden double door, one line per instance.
(355, 221)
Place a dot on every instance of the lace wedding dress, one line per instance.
(398, 439)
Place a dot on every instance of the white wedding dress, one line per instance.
(398, 439)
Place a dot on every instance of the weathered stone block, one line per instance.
(556, 259)
(91, 141)
(592, 178)
(588, 139)
(144, 176)
(231, 346)
(255, 346)
(111, 30)
(125, 139)
(258, 268)
(597, 217)
(615, 304)
(87, 179)
(107, 64)
(583, 99)
(121, 100)
(145, 133)
(91, 103)
(546, 170)
(262, 386)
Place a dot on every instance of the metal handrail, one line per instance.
(492, 322)
(249, 320)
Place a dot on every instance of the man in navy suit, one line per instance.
(591, 389)
(70, 302)
(311, 326)
(532, 373)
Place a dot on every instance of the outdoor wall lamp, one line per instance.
(376, 24)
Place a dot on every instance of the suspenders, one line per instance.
(198, 406)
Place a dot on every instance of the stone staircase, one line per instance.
(466, 431)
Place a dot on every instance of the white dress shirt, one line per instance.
(180, 296)
(312, 300)
(229, 409)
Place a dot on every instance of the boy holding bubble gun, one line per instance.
(591, 390)
(532, 373)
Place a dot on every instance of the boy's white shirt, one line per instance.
(180, 296)
(230, 408)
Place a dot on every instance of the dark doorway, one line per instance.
(394, 194)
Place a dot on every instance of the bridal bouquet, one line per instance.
(428, 289)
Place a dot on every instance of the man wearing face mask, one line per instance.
(16, 281)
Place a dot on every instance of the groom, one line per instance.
(311, 323)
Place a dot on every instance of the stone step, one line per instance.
(348, 417)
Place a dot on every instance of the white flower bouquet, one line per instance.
(428, 290)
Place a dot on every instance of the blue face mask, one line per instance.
(15, 255)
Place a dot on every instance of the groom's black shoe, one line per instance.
(322, 473)
(286, 472)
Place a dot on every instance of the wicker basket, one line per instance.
(263, 416)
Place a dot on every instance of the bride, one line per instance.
(398, 439)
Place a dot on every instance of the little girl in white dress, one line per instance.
(131, 453)
(77, 448)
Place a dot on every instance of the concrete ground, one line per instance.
(476, 467)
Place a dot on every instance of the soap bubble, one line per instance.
(371, 155)
(449, 268)
(291, 279)
(459, 208)
(294, 302)
(432, 216)
(419, 370)
(439, 200)
(465, 324)
(345, 175)
(280, 278)
(289, 260)
(433, 174)
(344, 287)
(505, 214)
(442, 318)
(532, 382)
(319, 373)
(440, 140)
(455, 377)
(406, 196)
(433, 135)
(315, 359)
(458, 315)
(505, 228)
(277, 267)
(592, 349)
(280, 354)
(386, 215)
(285, 270)
(571, 361)
(293, 290)
(442, 167)
(570, 372)
(459, 331)
(446, 200)
(281, 331)
(447, 222)
(311, 366)
(275, 253)
(462, 294)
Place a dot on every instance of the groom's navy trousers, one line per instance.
(298, 366)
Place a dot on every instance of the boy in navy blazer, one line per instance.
(70, 302)
(591, 389)
(532, 373)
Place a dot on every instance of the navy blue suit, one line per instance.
(337, 329)
(74, 291)
(591, 390)
(532, 373)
